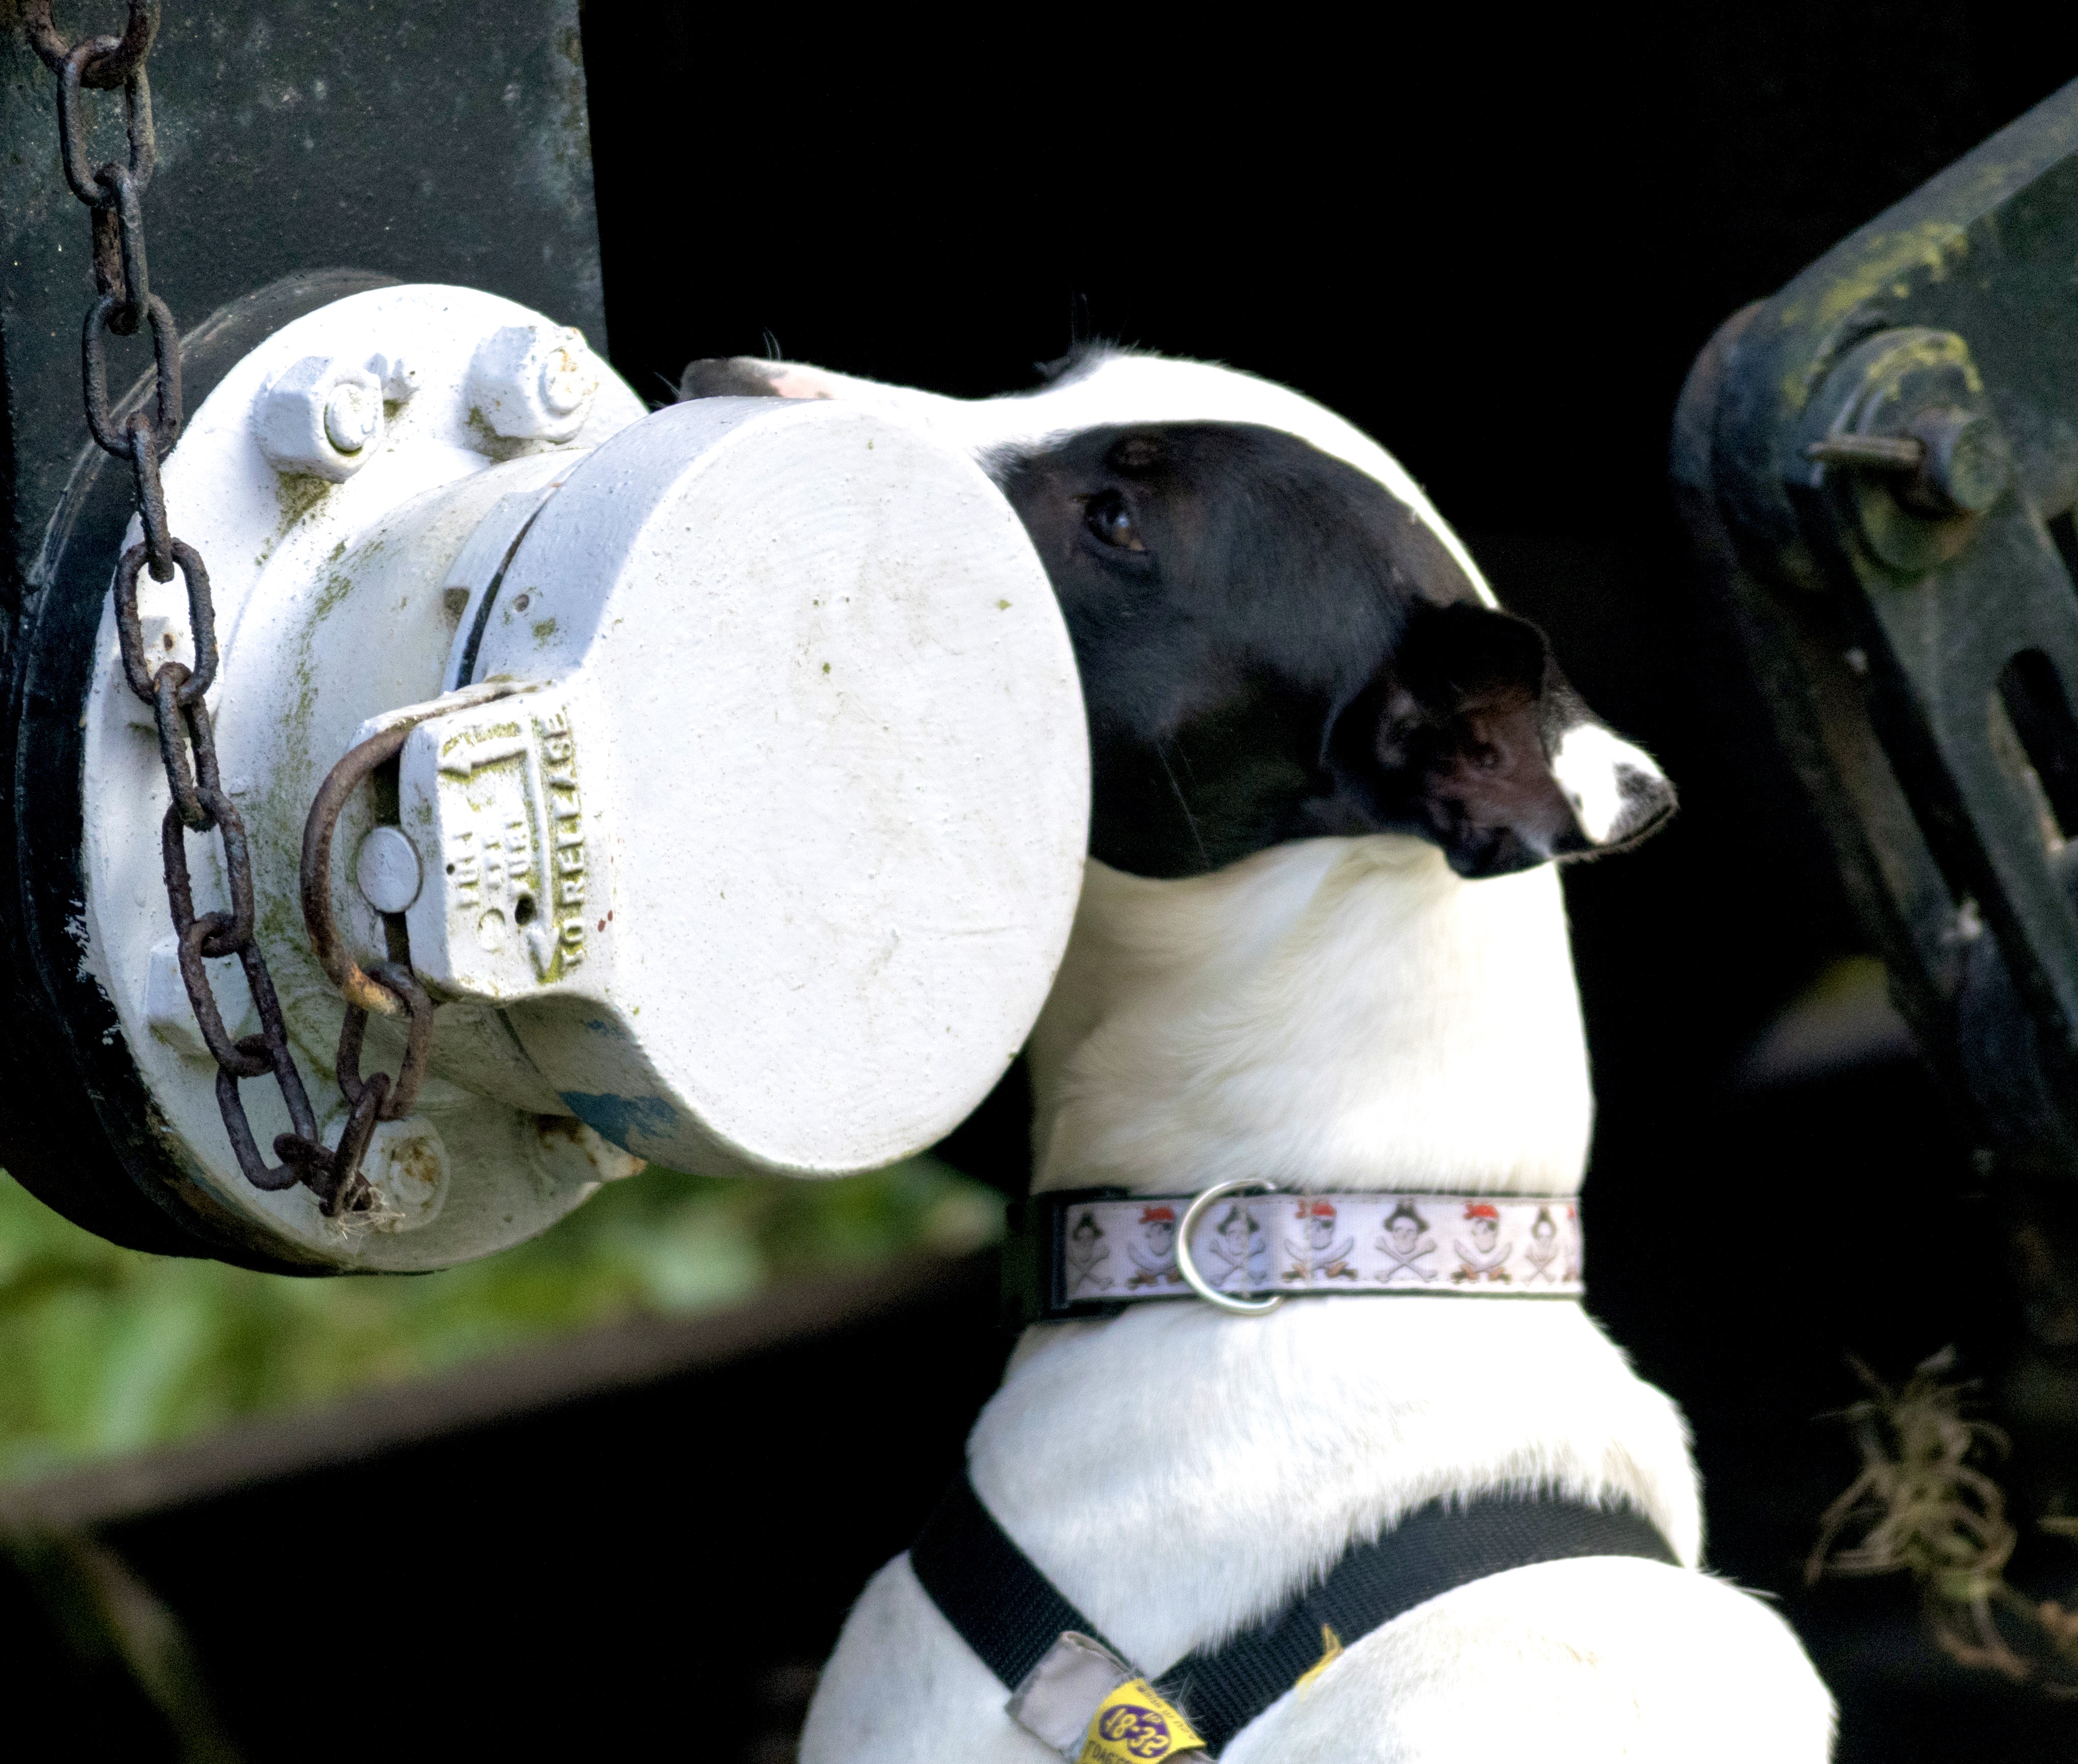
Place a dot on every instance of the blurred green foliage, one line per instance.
(103, 1350)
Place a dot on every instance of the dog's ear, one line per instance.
(1472, 737)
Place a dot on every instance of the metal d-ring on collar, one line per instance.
(1196, 1281)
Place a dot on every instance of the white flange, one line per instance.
(757, 852)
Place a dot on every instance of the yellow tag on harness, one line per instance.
(1136, 1724)
(1331, 1651)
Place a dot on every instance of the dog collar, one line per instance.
(1248, 1246)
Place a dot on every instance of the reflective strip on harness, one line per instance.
(1014, 1618)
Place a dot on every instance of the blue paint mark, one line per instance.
(599, 1025)
(624, 1119)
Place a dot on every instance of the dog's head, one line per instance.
(1278, 638)
(1273, 646)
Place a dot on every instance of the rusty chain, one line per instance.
(113, 196)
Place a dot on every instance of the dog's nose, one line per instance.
(1615, 789)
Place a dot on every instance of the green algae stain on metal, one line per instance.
(338, 586)
(297, 494)
(1933, 247)
(1889, 263)
(493, 446)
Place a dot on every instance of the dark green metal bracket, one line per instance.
(1878, 467)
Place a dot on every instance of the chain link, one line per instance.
(114, 196)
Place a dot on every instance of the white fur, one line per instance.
(1348, 1014)
(1334, 1013)
(1590, 765)
(1120, 387)
(1578, 1662)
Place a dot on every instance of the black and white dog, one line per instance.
(1321, 944)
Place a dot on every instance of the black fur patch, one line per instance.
(1273, 646)
(726, 376)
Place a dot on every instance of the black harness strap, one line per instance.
(1003, 1607)
(1010, 1614)
(1432, 1551)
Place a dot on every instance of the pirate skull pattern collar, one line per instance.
(1091, 1253)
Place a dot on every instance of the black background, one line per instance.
(1498, 251)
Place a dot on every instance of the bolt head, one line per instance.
(171, 1015)
(319, 417)
(534, 381)
(407, 1167)
(352, 417)
(568, 377)
(1967, 464)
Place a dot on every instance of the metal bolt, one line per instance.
(1876, 453)
(1967, 465)
(406, 1166)
(320, 417)
(1949, 462)
(387, 869)
(352, 417)
(568, 377)
(166, 638)
(534, 381)
(172, 1018)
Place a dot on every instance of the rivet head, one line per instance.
(387, 869)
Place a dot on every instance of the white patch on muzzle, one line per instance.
(1615, 789)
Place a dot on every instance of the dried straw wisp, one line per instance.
(1922, 1506)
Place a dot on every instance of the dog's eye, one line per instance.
(1107, 516)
